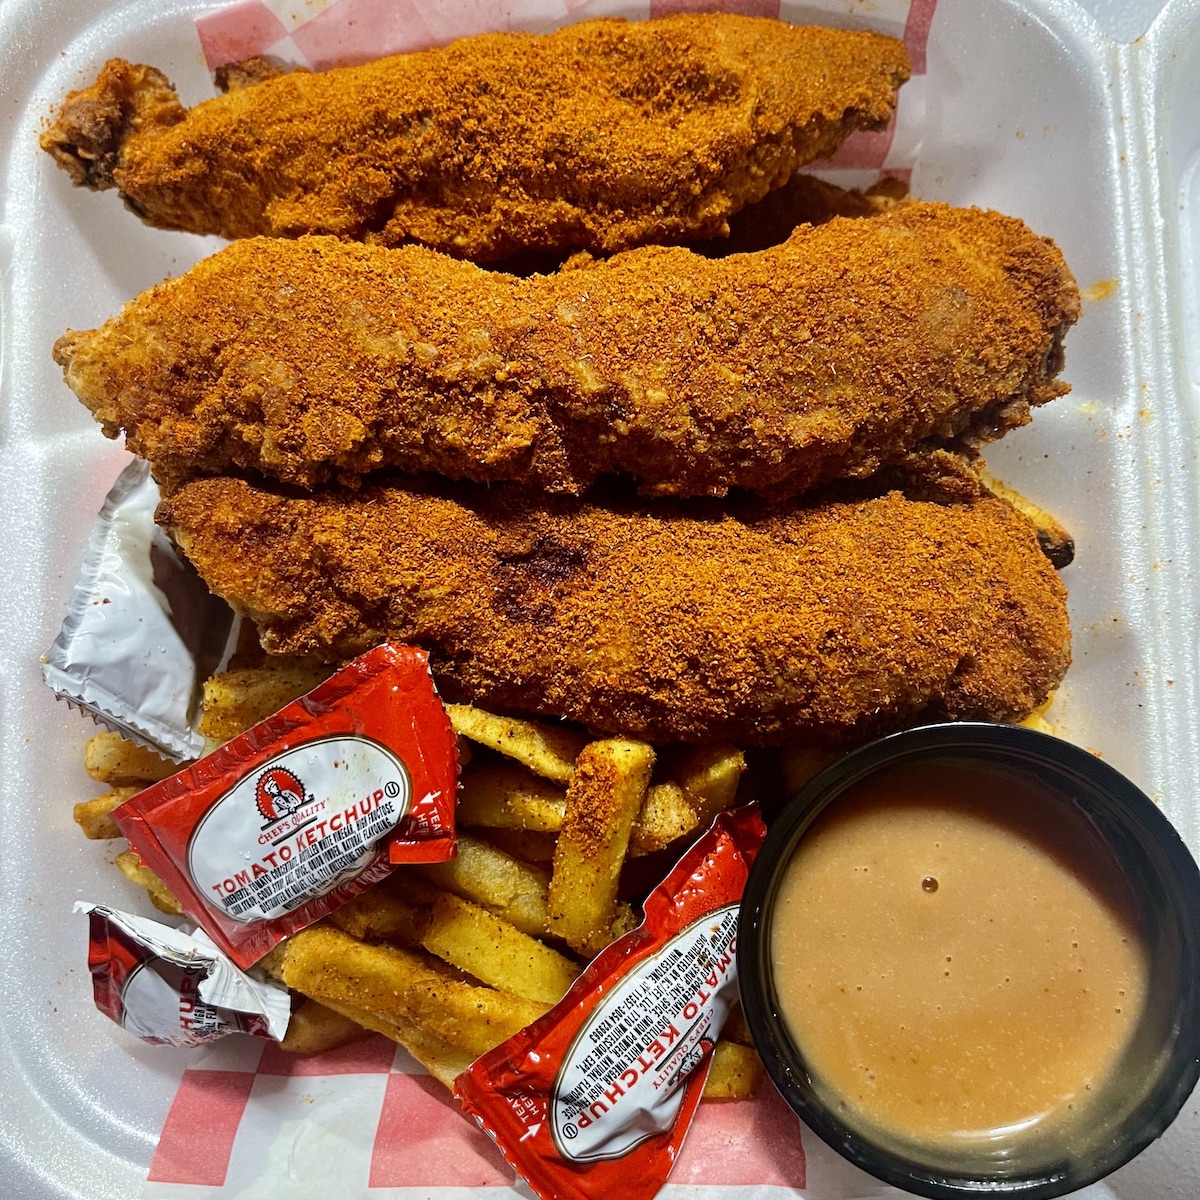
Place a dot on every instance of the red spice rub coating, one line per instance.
(603, 135)
(814, 623)
(843, 349)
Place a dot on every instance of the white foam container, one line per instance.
(1031, 109)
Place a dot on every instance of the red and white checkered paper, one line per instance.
(366, 1122)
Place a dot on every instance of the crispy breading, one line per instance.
(744, 624)
(605, 135)
(848, 346)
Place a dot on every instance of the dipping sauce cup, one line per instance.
(969, 956)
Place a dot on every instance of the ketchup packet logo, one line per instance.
(279, 793)
(309, 808)
(306, 823)
(593, 1099)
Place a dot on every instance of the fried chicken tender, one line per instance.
(845, 348)
(603, 135)
(704, 623)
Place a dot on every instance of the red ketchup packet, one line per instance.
(593, 1099)
(309, 808)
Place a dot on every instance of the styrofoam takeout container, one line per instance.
(1030, 109)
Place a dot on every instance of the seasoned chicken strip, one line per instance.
(603, 135)
(846, 347)
(748, 625)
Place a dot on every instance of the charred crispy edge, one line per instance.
(1056, 543)
(94, 123)
(234, 76)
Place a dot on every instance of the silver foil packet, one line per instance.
(142, 631)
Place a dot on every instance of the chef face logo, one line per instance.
(690, 1061)
(279, 793)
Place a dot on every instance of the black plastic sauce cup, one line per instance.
(1160, 1067)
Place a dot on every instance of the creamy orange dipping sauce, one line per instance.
(956, 956)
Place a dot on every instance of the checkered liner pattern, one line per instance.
(368, 1120)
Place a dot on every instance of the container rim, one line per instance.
(1102, 789)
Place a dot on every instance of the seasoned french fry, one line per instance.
(666, 814)
(313, 1029)
(509, 797)
(442, 1060)
(331, 966)
(137, 872)
(234, 701)
(92, 816)
(603, 800)
(529, 845)
(513, 890)
(379, 915)
(735, 1074)
(110, 759)
(496, 952)
(544, 749)
(1056, 543)
(709, 775)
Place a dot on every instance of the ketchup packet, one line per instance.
(309, 808)
(593, 1099)
(174, 989)
(142, 630)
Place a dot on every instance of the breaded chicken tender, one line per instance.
(603, 135)
(851, 345)
(817, 623)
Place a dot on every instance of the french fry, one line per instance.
(603, 800)
(665, 815)
(529, 845)
(236, 700)
(546, 750)
(110, 759)
(442, 1060)
(137, 872)
(379, 915)
(509, 797)
(495, 952)
(735, 1074)
(313, 1029)
(1056, 543)
(709, 776)
(513, 890)
(92, 816)
(329, 965)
